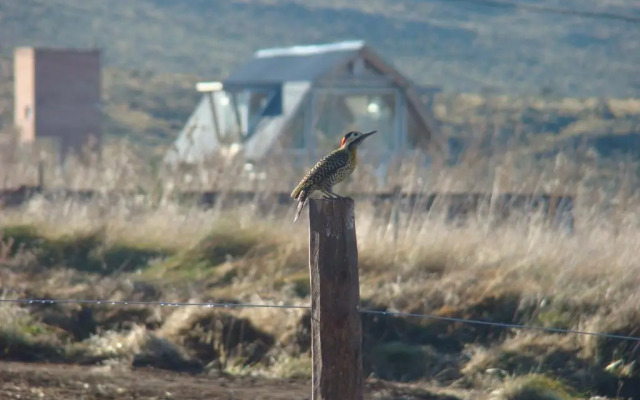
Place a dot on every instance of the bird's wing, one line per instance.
(327, 166)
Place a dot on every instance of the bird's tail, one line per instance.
(297, 191)
(302, 200)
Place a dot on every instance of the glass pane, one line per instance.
(337, 114)
(257, 101)
(229, 129)
(250, 111)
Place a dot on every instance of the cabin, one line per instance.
(298, 101)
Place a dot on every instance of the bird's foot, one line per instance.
(335, 198)
(328, 195)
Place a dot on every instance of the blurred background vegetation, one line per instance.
(155, 50)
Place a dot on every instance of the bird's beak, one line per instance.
(365, 135)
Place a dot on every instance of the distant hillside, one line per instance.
(155, 51)
(459, 45)
(150, 108)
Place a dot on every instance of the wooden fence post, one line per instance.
(336, 328)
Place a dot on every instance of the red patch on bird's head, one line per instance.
(343, 141)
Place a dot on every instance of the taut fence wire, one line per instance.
(394, 314)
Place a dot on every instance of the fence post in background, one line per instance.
(395, 219)
(336, 328)
(40, 175)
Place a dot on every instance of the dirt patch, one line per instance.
(70, 382)
(211, 335)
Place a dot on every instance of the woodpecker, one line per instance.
(331, 169)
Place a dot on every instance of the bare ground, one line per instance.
(70, 382)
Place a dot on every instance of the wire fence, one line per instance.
(395, 314)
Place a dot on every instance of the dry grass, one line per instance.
(522, 271)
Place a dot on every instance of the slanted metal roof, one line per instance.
(297, 63)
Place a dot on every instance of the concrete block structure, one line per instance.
(57, 97)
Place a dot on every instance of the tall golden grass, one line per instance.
(606, 213)
(587, 280)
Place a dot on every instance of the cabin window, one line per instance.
(241, 110)
(228, 128)
(261, 103)
(338, 112)
(257, 102)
